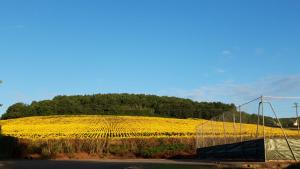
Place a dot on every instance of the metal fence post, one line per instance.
(263, 121)
(297, 116)
(234, 127)
(258, 120)
(241, 137)
(224, 128)
(263, 117)
(202, 136)
(212, 129)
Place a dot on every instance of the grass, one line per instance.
(100, 148)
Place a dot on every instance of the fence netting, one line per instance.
(263, 117)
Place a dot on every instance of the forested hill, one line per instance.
(119, 104)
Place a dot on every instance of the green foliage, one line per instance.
(45, 152)
(119, 150)
(74, 148)
(15, 111)
(253, 118)
(288, 122)
(119, 104)
(151, 152)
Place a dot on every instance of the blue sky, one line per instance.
(210, 50)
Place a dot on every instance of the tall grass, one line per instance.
(106, 148)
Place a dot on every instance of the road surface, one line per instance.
(105, 164)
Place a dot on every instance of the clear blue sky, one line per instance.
(204, 50)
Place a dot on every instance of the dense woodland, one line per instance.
(132, 104)
(119, 104)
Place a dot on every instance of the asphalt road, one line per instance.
(104, 164)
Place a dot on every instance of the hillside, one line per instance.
(103, 126)
(97, 126)
(119, 104)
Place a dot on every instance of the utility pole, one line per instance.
(296, 107)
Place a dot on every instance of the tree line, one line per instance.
(119, 104)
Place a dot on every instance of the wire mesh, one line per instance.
(263, 117)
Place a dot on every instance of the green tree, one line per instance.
(120, 104)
